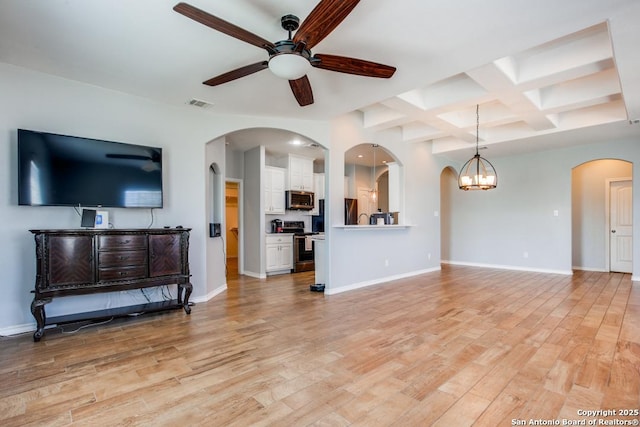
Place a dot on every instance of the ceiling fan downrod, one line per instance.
(290, 23)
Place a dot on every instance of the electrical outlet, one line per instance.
(429, 255)
(386, 262)
(525, 254)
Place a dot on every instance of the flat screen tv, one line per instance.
(60, 170)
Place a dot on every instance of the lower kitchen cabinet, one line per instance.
(279, 253)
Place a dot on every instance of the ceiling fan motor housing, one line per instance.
(290, 23)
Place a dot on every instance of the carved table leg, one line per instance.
(188, 288)
(37, 309)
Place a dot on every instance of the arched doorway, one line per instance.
(249, 153)
(448, 184)
(601, 241)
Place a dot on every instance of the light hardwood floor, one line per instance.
(463, 346)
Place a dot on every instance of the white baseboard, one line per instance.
(17, 329)
(599, 270)
(254, 275)
(509, 267)
(354, 286)
(211, 294)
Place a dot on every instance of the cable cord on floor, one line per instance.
(88, 325)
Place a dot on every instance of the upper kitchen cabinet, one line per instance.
(274, 200)
(300, 173)
(374, 178)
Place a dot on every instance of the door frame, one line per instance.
(607, 213)
(240, 222)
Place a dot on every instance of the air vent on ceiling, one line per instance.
(199, 103)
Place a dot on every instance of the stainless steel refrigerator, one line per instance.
(350, 211)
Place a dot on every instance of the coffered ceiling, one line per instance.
(567, 84)
(545, 73)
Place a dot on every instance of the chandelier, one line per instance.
(478, 173)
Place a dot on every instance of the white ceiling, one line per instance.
(541, 70)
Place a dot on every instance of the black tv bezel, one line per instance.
(103, 141)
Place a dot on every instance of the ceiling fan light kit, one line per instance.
(291, 59)
(287, 63)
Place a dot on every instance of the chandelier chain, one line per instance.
(477, 126)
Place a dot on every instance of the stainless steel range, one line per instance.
(303, 259)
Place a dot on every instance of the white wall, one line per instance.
(365, 257)
(214, 212)
(496, 228)
(38, 101)
(253, 220)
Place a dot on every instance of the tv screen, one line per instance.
(60, 170)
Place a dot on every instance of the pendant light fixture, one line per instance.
(373, 193)
(478, 173)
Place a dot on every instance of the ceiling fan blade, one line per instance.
(326, 16)
(343, 64)
(302, 90)
(221, 25)
(237, 73)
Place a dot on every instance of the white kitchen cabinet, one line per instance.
(300, 173)
(279, 253)
(274, 200)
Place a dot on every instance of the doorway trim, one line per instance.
(240, 222)
(607, 213)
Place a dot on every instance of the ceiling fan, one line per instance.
(292, 58)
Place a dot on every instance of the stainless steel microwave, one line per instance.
(299, 200)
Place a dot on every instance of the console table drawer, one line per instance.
(121, 258)
(122, 273)
(121, 241)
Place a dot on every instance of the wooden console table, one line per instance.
(80, 262)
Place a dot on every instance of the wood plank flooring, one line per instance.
(463, 346)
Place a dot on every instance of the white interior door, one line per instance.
(621, 225)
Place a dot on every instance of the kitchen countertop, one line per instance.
(373, 227)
